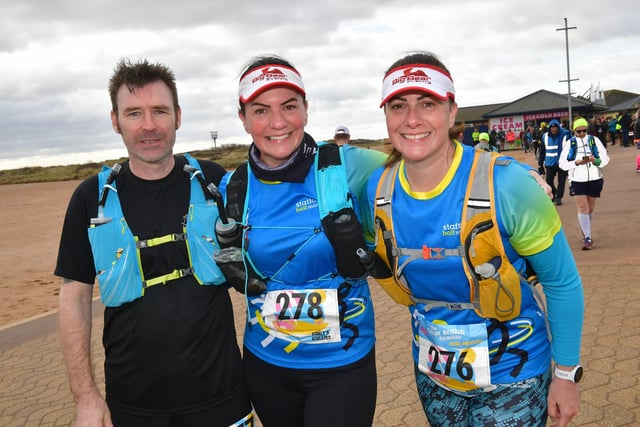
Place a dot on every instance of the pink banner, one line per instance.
(547, 116)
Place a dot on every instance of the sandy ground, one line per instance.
(31, 216)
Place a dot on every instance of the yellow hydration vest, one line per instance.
(493, 294)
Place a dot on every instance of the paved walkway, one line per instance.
(34, 390)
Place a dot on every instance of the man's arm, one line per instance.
(542, 152)
(74, 330)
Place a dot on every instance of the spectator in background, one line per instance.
(483, 142)
(501, 138)
(594, 128)
(601, 130)
(537, 136)
(342, 135)
(612, 125)
(493, 138)
(625, 126)
(583, 156)
(636, 138)
(527, 140)
(636, 130)
(550, 149)
(511, 138)
(457, 132)
(475, 135)
(521, 136)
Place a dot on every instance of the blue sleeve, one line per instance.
(360, 164)
(535, 232)
(563, 292)
(368, 223)
(524, 210)
(523, 165)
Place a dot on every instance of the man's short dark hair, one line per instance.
(138, 74)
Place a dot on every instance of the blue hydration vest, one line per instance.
(573, 149)
(116, 251)
(316, 309)
(335, 205)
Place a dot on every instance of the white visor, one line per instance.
(264, 77)
(423, 78)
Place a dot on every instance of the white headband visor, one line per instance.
(265, 77)
(423, 78)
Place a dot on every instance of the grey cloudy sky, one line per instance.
(57, 58)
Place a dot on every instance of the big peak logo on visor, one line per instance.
(265, 77)
(423, 78)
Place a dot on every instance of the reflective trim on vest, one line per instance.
(551, 150)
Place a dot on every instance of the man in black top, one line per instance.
(625, 123)
(171, 356)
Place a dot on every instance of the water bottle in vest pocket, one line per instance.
(202, 243)
(345, 234)
(495, 283)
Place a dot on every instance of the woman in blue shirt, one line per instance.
(471, 369)
(309, 338)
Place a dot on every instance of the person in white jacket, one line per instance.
(584, 156)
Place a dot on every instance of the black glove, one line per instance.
(541, 170)
(373, 264)
(231, 263)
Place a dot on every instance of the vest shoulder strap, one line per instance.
(478, 200)
(478, 195)
(332, 186)
(106, 183)
(236, 192)
(573, 150)
(335, 207)
(593, 147)
(331, 181)
(199, 191)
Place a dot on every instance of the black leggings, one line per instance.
(336, 397)
(550, 175)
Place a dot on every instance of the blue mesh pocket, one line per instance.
(116, 263)
(202, 244)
